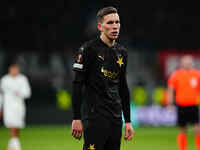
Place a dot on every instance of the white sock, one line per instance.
(14, 144)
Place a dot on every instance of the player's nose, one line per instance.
(115, 26)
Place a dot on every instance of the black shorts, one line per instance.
(187, 115)
(101, 134)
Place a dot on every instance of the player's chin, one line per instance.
(113, 37)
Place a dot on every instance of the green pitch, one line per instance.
(59, 138)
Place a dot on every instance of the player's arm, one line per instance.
(172, 82)
(77, 87)
(170, 92)
(80, 67)
(25, 90)
(124, 93)
(125, 96)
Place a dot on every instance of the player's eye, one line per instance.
(110, 22)
(117, 22)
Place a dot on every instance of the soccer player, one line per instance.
(185, 84)
(15, 88)
(100, 70)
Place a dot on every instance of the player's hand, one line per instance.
(129, 132)
(77, 129)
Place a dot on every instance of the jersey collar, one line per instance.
(105, 45)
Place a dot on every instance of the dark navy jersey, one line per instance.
(101, 71)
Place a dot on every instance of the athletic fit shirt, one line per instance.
(186, 83)
(15, 90)
(102, 71)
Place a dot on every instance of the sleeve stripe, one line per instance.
(79, 66)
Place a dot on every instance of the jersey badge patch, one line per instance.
(79, 58)
(120, 61)
(101, 57)
(91, 147)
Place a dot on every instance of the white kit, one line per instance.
(14, 90)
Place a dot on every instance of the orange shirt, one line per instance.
(186, 84)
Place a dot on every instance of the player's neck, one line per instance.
(107, 41)
(13, 75)
(187, 68)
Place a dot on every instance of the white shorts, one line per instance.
(14, 116)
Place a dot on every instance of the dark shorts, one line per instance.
(187, 115)
(101, 134)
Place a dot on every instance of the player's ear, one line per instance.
(99, 26)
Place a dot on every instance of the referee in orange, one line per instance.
(184, 83)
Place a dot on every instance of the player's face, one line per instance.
(110, 26)
(14, 70)
(187, 62)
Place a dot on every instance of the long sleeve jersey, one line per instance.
(100, 84)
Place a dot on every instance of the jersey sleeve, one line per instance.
(80, 66)
(25, 90)
(172, 80)
(124, 91)
(2, 85)
(198, 74)
(81, 59)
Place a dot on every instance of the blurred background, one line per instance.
(44, 35)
